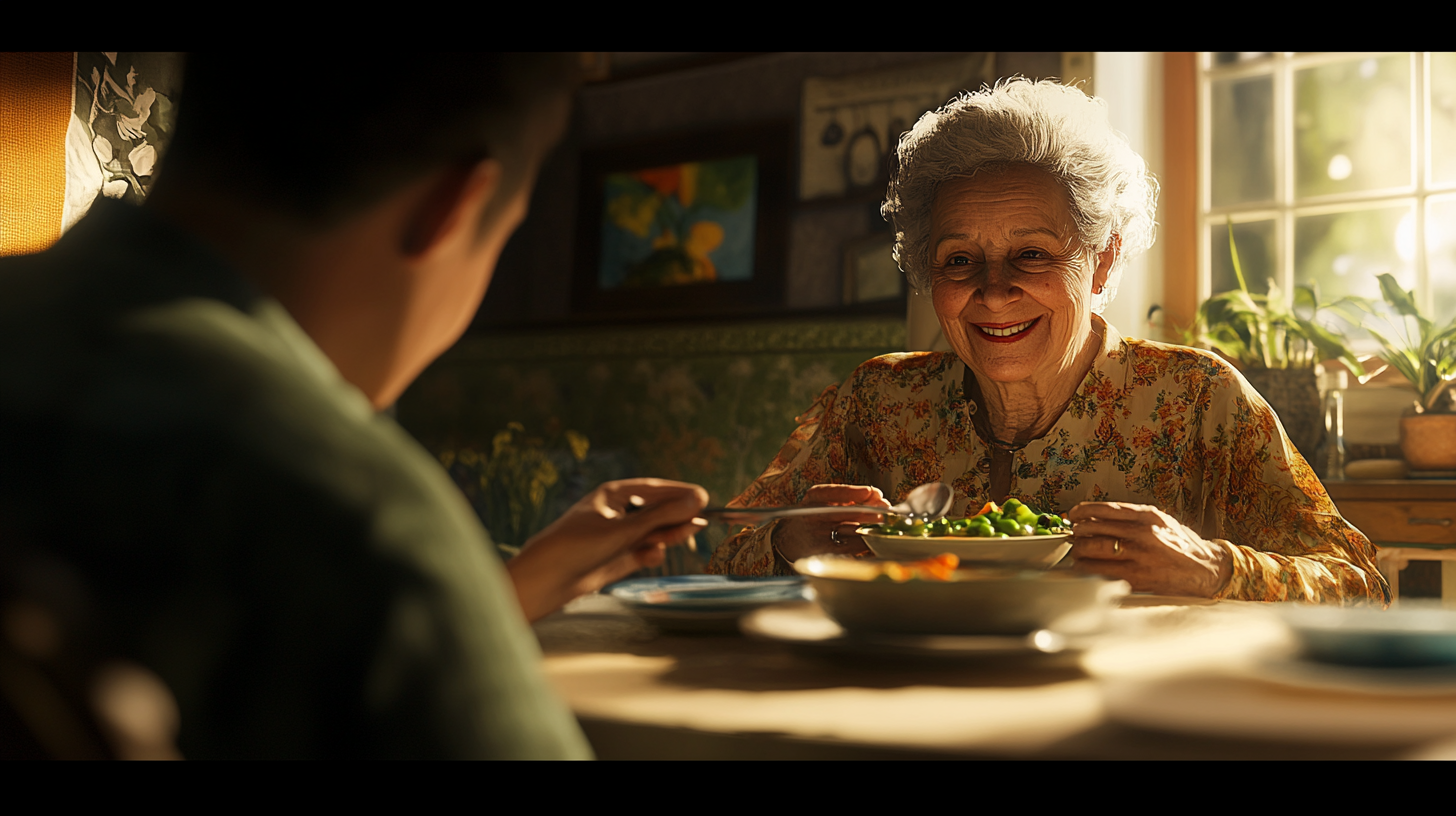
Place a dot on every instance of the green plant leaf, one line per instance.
(1234, 254)
(1402, 301)
(1398, 356)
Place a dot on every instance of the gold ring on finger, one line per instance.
(1117, 546)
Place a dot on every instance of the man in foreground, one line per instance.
(189, 426)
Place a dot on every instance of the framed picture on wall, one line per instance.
(871, 274)
(685, 226)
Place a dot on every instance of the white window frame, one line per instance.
(1284, 208)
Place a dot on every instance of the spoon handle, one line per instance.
(765, 513)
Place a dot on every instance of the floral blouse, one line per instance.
(1168, 426)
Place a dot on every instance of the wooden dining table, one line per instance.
(1168, 678)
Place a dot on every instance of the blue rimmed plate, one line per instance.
(704, 602)
(1412, 635)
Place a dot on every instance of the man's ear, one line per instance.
(453, 200)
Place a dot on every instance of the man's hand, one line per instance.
(614, 531)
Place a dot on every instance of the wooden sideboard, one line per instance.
(1408, 520)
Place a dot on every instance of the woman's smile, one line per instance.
(1006, 332)
(1012, 283)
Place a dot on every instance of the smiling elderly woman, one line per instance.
(1017, 207)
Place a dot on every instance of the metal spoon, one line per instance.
(928, 501)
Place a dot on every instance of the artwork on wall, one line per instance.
(871, 274)
(121, 124)
(851, 123)
(684, 226)
(685, 223)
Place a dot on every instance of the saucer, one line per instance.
(703, 602)
(805, 626)
(1425, 681)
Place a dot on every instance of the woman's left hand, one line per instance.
(1147, 548)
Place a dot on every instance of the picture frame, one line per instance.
(689, 225)
(871, 275)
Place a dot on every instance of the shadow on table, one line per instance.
(732, 661)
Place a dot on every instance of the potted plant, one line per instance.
(1277, 345)
(1426, 354)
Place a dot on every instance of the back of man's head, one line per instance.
(317, 137)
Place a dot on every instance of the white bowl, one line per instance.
(1025, 552)
(974, 602)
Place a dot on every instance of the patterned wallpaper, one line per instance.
(709, 403)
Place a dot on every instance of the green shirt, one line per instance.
(303, 576)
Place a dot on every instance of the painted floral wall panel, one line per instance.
(122, 120)
(709, 404)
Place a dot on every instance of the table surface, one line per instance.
(641, 693)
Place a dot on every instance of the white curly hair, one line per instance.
(1045, 124)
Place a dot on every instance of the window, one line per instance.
(1334, 167)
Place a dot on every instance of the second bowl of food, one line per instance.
(935, 596)
(1012, 535)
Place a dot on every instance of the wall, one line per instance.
(1131, 83)
(710, 405)
(708, 402)
(533, 284)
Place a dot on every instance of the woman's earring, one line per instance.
(1097, 290)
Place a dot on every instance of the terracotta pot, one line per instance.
(1429, 441)
(1294, 396)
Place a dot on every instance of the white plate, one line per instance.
(805, 626)
(1037, 552)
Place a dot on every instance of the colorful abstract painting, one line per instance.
(681, 224)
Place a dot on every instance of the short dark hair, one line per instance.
(324, 135)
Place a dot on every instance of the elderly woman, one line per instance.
(1017, 207)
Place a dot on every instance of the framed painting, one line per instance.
(871, 274)
(686, 226)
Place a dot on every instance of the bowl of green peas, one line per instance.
(1012, 534)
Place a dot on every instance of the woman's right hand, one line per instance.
(800, 537)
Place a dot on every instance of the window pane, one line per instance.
(1343, 252)
(1221, 58)
(1255, 241)
(1243, 140)
(1443, 118)
(1441, 256)
(1352, 126)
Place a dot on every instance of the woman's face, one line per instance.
(1011, 280)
